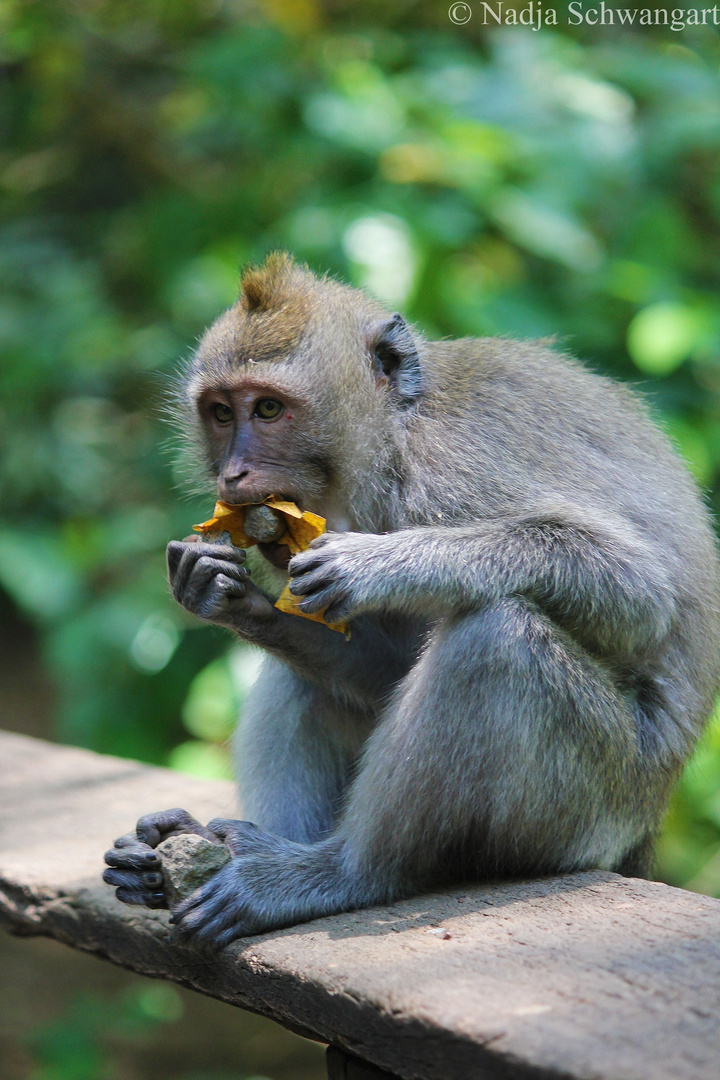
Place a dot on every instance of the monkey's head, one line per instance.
(301, 390)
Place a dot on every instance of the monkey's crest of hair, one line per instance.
(278, 305)
(273, 285)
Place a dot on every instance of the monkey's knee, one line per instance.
(511, 638)
(543, 716)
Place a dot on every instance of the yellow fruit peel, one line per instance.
(288, 603)
(301, 528)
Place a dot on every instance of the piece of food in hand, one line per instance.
(187, 862)
(274, 521)
(288, 603)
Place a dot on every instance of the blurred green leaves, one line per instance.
(150, 1029)
(689, 848)
(214, 700)
(79, 1044)
(505, 182)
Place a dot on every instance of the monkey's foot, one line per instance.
(270, 882)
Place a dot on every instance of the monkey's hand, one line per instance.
(210, 581)
(347, 573)
(135, 866)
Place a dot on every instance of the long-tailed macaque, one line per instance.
(532, 586)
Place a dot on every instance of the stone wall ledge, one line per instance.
(590, 976)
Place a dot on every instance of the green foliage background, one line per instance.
(484, 181)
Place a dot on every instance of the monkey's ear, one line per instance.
(396, 358)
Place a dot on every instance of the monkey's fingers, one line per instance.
(226, 590)
(148, 882)
(182, 554)
(128, 840)
(214, 914)
(153, 828)
(228, 552)
(173, 554)
(205, 902)
(133, 896)
(198, 561)
(337, 612)
(134, 871)
(322, 598)
(137, 891)
(320, 541)
(129, 853)
(240, 836)
(205, 569)
(239, 928)
(311, 581)
(305, 562)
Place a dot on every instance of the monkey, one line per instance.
(532, 585)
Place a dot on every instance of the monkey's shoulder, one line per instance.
(517, 423)
(535, 397)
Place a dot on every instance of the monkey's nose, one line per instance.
(232, 476)
(230, 485)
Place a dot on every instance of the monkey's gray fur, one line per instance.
(532, 584)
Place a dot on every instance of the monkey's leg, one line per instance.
(294, 751)
(506, 750)
(510, 750)
(294, 748)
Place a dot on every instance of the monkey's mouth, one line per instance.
(276, 553)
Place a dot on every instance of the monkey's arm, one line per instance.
(211, 581)
(595, 576)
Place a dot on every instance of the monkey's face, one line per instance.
(263, 439)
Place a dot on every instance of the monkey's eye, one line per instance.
(222, 413)
(268, 409)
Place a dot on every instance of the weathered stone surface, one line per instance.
(187, 862)
(591, 976)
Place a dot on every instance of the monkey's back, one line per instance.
(526, 429)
